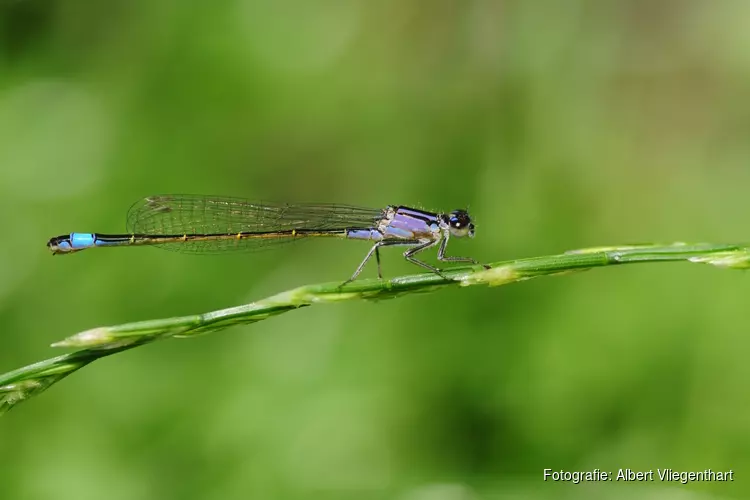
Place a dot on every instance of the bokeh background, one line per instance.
(559, 124)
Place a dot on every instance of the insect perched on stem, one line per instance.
(205, 224)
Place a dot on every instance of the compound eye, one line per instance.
(459, 219)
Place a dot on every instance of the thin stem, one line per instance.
(21, 384)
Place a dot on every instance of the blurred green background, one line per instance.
(559, 124)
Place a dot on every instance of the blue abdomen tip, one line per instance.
(82, 240)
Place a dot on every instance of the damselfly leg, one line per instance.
(444, 258)
(374, 249)
(409, 255)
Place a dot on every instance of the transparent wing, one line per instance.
(222, 216)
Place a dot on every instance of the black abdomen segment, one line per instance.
(76, 242)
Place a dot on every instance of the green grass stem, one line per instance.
(21, 384)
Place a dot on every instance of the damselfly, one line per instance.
(205, 224)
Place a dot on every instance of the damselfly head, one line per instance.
(459, 224)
